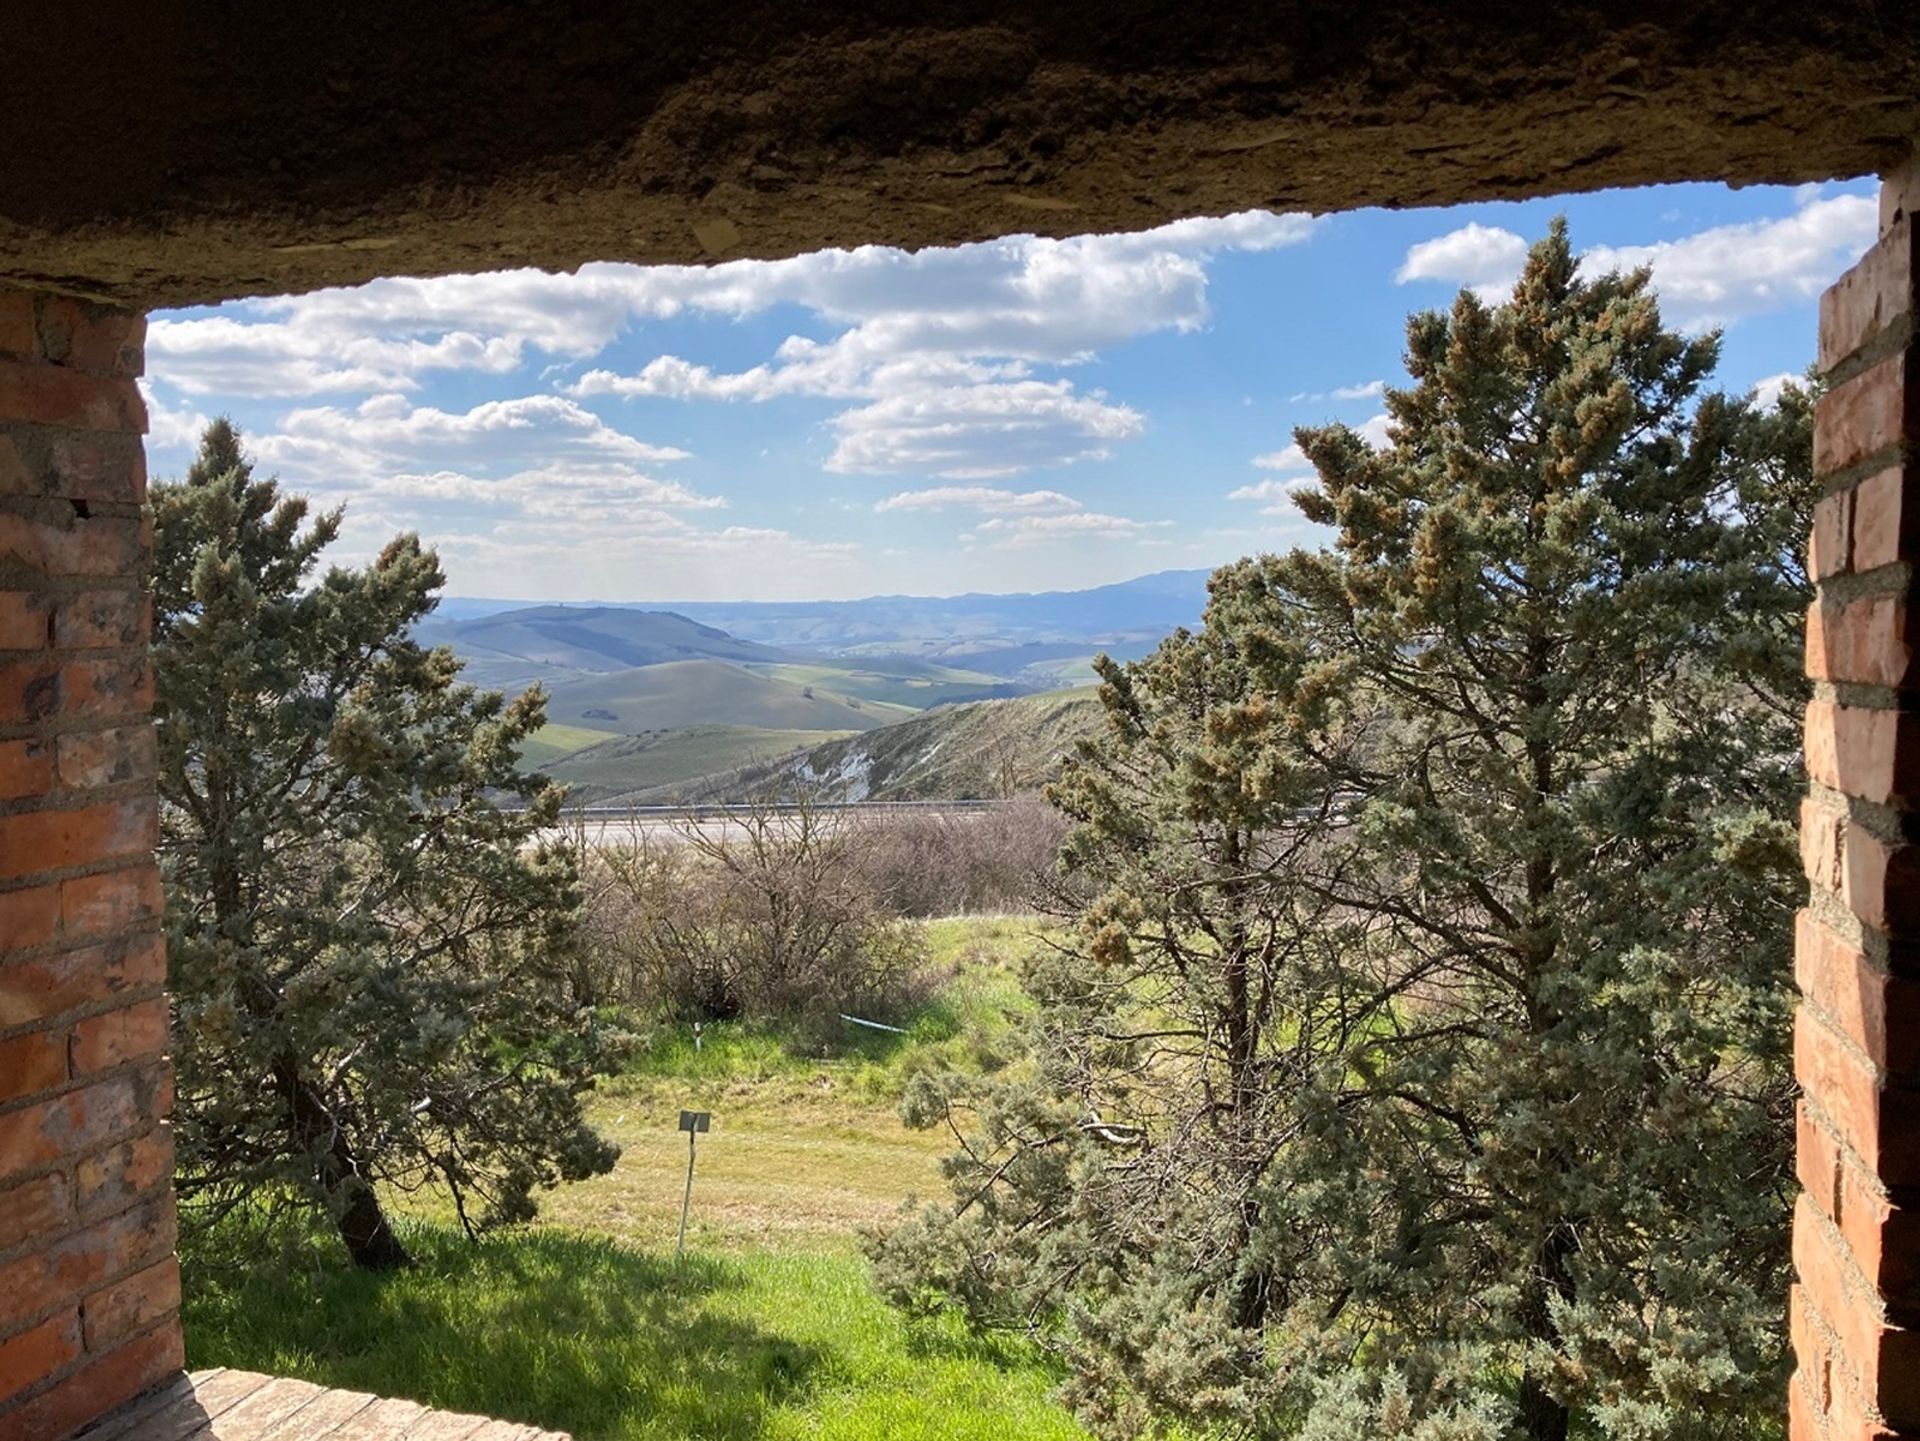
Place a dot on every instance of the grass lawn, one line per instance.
(769, 1329)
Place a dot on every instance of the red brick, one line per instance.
(1885, 520)
(1830, 547)
(46, 986)
(1880, 1123)
(1878, 291)
(133, 1033)
(126, 1306)
(1883, 1238)
(109, 757)
(1869, 641)
(33, 1208)
(86, 466)
(113, 1179)
(102, 619)
(99, 1386)
(36, 1284)
(38, 1351)
(27, 918)
(1872, 754)
(17, 333)
(15, 478)
(1878, 1012)
(29, 690)
(55, 840)
(26, 620)
(114, 901)
(1883, 1357)
(48, 1131)
(26, 768)
(95, 338)
(1867, 416)
(31, 1063)
(1882, 883)
(55, 395)
(61, 542)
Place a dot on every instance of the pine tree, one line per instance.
(367, 953)
(1419, 1068)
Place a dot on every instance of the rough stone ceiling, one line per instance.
(170, 151)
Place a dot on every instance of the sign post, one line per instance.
(693, 1123)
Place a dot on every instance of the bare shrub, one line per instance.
(937, 863)
(769, 913)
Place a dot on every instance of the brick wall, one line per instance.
(89, 1289)
(1855, 1312)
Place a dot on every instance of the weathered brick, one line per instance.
(126, 1306)
(36, 1061)
(1883, 1238)
(47, 1131)
(55, 840)
(35, 1208)
(1879, 1122)
(108, 757)
(87, 466)
(26, 620)
(59, 542)
(113, 1038)
(1870, 415)
(110, 902)
(28, 917)
(102, 619)
(38, 1351)
(58, 396)
(103, 1383)
(113, 1179)
(1823, 830)
(1885, 1358)
(1830, 548)
(1870, 641)
(1878, 1012)
(18, 336)
(15, 478)
(41, 987)
(1878, 291)
(96, 338)
(35, 1284)
(1869, 753)
(1881, 884)
(26, 768)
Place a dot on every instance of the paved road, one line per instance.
(610, 825)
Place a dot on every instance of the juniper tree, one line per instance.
(1417, 1065)
(367, 953)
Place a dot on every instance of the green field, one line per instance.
(612, 765)
(708, 692)
(769, 1331)
(911, 685)
(551, 742)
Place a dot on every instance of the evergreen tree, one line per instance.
(1420, 1065)
(367, 954)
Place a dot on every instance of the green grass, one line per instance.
(771, 1329)
(551, 742)
(656, 758)
(705, 692)
(595, 1337)
(901, 690)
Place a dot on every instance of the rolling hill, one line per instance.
(960, 752)
(708, 692)
(555, 643)
(620, 765)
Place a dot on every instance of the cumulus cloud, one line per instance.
(985, 499)
(1482, 258)
(1712, 277)
(1292, 460)
(170, 427)
(979, 431)
(1024, 531)
(1766, 392)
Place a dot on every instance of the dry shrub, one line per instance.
(937, 863)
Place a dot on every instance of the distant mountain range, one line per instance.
(643, 696)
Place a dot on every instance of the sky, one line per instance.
(1024, 414)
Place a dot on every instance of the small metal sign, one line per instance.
(691, 1121)
(694, 1123)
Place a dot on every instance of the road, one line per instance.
(617, 825)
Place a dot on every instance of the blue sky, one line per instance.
(1020, 415)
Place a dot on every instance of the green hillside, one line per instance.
(551, 742)
(708, 692)
(904, 681)
(962, 752)
(622, 764)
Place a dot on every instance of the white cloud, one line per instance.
(1024, 531)
(1360, 392)
(985, 499)
(1766, 392)
(1716, 276)
(1291, 458)
(979, 431)
(170, 427)
(1483, 258)
(1712, 277)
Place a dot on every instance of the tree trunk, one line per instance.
(1541, 1417)
(364, 1229)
